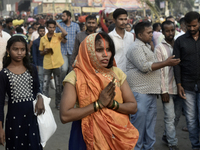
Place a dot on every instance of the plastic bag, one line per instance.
(46, 121)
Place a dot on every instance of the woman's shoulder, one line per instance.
(120, 74)
(70, 78)
(117, 70)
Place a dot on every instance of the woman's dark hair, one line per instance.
(111, 46)
(7, 60)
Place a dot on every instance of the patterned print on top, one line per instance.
(21, 86)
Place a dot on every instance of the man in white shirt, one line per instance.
(168, 85)
(121, 38)
(4, 37)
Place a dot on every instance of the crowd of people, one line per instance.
(107, 77)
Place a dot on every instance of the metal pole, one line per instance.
(199, 5)
(53, 9)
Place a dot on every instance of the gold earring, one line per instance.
(8, 55)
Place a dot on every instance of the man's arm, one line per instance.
(138, 58)
(41, 48)
(177, 69)
(64, 40)
(64, 33)
(170, 61)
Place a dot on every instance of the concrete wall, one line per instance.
(12, 2)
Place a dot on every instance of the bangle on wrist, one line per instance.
(101, 103)
(116, 105)
(96, 106)
(113, 105)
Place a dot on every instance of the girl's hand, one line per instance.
(39, 107)
(107, 94)
(2, 137)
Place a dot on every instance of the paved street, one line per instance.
(59, 141)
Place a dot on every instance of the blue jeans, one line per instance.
(40, 75)
(64, 68)
(192, 109)
(169, 119)
(145, 120)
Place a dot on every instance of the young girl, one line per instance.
(104, 99)
(19, 80)
(29, 34)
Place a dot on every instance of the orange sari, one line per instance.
(105, 129)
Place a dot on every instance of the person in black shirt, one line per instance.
(187, 74)
(8, 27)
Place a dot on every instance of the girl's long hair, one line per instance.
(26, 60)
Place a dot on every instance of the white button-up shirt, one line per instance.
(121, 47)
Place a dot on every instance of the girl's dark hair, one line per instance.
(7, 60)
(111, 46)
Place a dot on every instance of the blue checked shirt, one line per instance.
(72, 30)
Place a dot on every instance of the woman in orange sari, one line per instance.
(103, 99)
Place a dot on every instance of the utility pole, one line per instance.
(199, 5)
(166, 8)
(144, 10)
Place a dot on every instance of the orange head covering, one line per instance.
(105, 129)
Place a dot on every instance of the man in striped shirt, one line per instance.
(168, 84)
